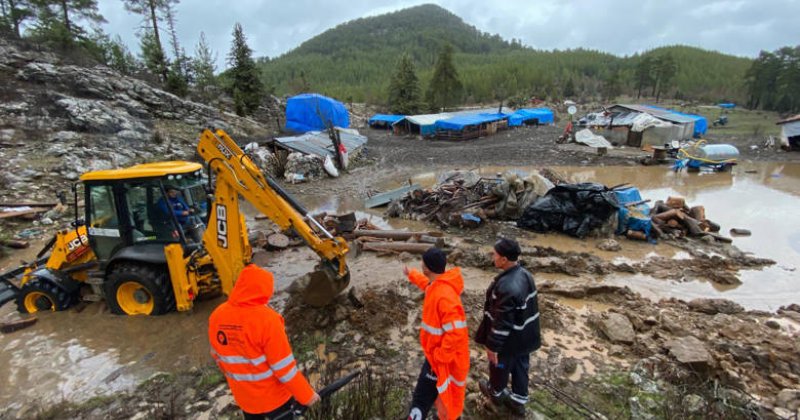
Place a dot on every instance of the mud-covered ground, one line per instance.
(607, 350)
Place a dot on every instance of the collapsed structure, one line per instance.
(790, 132)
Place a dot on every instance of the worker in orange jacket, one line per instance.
(249, 344)
(444, 338)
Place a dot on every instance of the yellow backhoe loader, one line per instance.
(147, 250)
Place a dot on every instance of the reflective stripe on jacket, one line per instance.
(445, 338)
(249, 344)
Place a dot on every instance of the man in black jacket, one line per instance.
(509, 329)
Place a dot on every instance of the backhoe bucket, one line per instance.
(325, 285)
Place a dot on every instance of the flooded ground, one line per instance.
(76, 356)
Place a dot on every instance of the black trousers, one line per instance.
(283, 413)
(425, 393)
(516, 366)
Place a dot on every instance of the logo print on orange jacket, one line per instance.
(444, 338)
(249, 343)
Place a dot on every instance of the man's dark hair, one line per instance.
(508, 248)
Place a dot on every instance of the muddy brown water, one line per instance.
(76, 356)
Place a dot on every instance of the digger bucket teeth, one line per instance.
(325, 284)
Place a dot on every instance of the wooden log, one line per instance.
(713, 226)
(720, 238)
(396, 247)
(657, 232)
(9, 327)
(278, 241)
(673, 223)
(698, 212)
(740, 232)
(676, 202)
(427, 239)
(659, 207)
(637, 235)
(693, 226)
(14, 243)
(670, 214)
(22, 204)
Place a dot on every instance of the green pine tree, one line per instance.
(57, 22)
(246, 86)
(13, 13)
(152, 55)
(404, 88)
(203, 66)
(569, 88)
(152, 11)
(445, 89)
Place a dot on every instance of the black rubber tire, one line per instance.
(153, 278)
(57, 296)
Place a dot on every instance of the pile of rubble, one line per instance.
(466, 199)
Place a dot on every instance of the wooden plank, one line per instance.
(10, 214)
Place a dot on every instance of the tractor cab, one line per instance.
(132, 213)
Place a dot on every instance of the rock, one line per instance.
(690, 351)
(46, 221)
(7, 134)
(406, 257)
(609, 245)
(715, 306)
(773, 324)
(64, 136)
(694, 403)
(617, 328)
(789, 399)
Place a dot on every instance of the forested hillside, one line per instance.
(356, 59)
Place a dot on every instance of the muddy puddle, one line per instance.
(762, 197)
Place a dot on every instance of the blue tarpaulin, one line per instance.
(313, 112)
(632, 217)
(727, 105)
(459, 122)
(384, 120)
(520, 116)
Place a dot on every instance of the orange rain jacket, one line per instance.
(444, 338)
(249, 343)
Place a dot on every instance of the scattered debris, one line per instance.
(575, 209)
(20, 324)
(384, 198)
(675, 218)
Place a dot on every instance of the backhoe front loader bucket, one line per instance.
(326, 283)
(8, 290)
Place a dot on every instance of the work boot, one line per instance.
(486, 389)
(517, 409)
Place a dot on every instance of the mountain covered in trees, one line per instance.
(356, 60)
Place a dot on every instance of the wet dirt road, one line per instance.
(79, 355)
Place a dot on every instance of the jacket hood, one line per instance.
(452, 278)
(254, 287)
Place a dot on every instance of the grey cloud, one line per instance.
(622, 27)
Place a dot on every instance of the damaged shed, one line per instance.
(657, 127)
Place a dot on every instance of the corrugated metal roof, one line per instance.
(319, 144)
(659, 113)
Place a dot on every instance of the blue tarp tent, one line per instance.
(313, 112)
(727, 105)
(384, 120)
(459, 122)
(520, 116)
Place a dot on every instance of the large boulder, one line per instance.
(690, 351)
(617, 328)
(715, 306)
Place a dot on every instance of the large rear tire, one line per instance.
(41, 295)
(139, 289)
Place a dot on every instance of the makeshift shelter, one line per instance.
(680, 127)
(462, 127)
(314, 112)
(531, 116)
(424, 125)
(383, 120)
(790, 132)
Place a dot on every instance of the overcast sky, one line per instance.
(621, 27)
